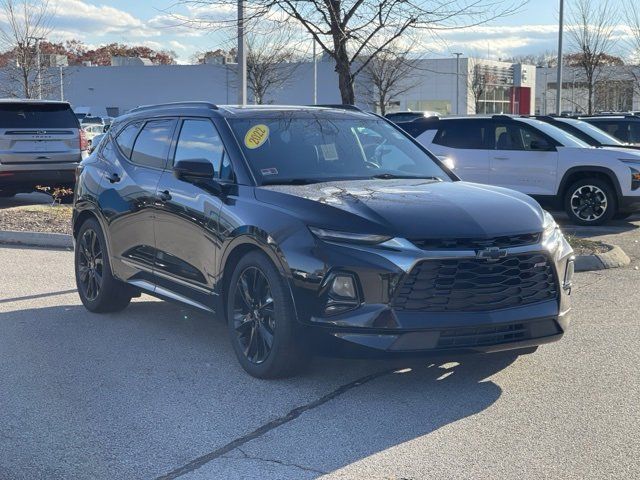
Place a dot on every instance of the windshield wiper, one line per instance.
(393, 176)
(293, 181)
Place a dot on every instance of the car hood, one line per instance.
(409, 208)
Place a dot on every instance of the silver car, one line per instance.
(41, 143)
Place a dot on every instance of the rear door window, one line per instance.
(152, 144)
(464, 134)
(37, 115)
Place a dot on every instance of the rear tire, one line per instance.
(590, 201)
(99, 291)
(261, 320)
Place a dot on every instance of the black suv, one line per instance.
(313, 227)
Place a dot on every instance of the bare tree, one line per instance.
(271, 62)
(346, 29)
(389, 74)
(632, 17)
(28, 22)
(591, 35)
(479, 80)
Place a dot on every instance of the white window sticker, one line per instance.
(329, 152)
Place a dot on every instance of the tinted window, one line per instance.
(127, 137)
(469, 134)
(199, 139)
(418, 127)
(24, 115)
(624, 131)
(513, 137)
(152, 145)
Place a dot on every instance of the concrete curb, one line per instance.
(36, 239)
(614, 258)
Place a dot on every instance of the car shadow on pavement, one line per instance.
(156, 388)
(25, 199)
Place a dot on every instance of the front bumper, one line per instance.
(376, 326)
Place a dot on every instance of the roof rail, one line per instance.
(158, 106)
(339, 106)
(502, 116)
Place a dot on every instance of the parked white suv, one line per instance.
(593, 185)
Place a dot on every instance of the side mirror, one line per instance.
(196, 169)
(541, 145)
(105, 129)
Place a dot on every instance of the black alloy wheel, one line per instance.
(91, 264)
(99, 291)
(261, 319)
(254, 314)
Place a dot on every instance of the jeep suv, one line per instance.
(41, 143)
(313, 228)
(593, 185)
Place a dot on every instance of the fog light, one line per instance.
(343, 286)
(568, 273)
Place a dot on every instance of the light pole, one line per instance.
(39, 72)
(457, 82)
(559, 78)
(242, 55)
(315, 74)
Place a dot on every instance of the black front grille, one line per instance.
(476, 285)
(477, 243)
(484, 335)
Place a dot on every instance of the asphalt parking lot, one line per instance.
(155, 392)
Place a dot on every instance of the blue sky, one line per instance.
(532, 30)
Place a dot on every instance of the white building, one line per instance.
(615, 89)
(505, 87)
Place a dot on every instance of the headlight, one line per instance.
(335, 236)
(635, 177)
(551, 234)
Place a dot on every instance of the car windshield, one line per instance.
(565, 139)
(308, 148)
(594, 132)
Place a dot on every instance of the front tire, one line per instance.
(99, 291)
(261, 320)
(590, 201)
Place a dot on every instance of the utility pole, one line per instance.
(457, 82)
(559, 79)
(315, 74)
(61, 85)
(242, 55)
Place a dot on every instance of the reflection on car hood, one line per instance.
(409, 208)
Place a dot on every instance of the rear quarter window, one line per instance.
(47, 116)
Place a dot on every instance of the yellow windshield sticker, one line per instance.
(256, 136)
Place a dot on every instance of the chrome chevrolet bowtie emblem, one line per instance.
(491, 254)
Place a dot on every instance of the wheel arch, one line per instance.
(576, 173)
(245, 241)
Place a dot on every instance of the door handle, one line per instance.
(501, 158)
(165, 196)
(114, 178)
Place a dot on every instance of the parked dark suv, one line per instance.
(313, 228)
(41, 143)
